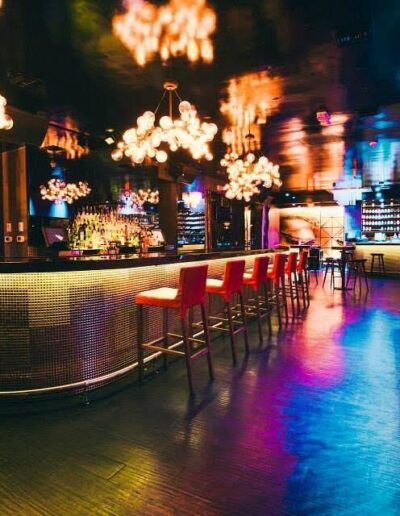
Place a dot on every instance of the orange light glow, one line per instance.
(251, 99)
(179, 28)
(65, 139)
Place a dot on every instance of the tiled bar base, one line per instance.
(76, 330)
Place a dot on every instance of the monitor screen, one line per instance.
(54, 235)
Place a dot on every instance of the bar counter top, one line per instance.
(101, 262)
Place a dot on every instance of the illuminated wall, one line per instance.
(322, 226)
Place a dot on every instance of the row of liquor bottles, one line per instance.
(104, 228)
(381, 217)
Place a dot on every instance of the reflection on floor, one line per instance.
(309, 424)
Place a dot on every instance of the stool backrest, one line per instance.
(192, 286)
(233, 276)
(260, 269)
(278, 269)
(302, 263)
(291, 263)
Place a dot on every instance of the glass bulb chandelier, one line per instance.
(249, 172)
(179, 28)
(58, 191)
(142, 196)
(144, 141)
(6, 122)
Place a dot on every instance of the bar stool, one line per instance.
(227, 288)
(292, 287)
(255, 281)
(277, 277)
(303, 279)
(331, 265)
(381, 263)
(357, 271)
(191, 292)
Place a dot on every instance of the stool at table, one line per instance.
(331, 265)
(277, 278)
(255, 280)
(226, 289)
(303, 280)
(381, 263)
(292, 286)
(357, 271)
(191, 292)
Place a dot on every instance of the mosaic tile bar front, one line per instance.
(61, 328)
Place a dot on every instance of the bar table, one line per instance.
(343, 249)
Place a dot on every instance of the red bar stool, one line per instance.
(255, 280)
(303, 278)
(278, 294)
(231, 284)
(292, 286)
(191, 292)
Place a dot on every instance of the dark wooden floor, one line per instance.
(307, 425)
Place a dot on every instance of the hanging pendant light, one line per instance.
(249, 172)
(144, 141)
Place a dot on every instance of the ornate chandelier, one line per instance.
(248, 173)
(6, 122)
(142, 196)
(179, 28)
(186, 132)
(58, 191)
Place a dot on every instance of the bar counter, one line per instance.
(391, 251)
(69, 325)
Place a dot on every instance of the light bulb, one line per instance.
(161, 156)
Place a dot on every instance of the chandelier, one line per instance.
(6, 122)
(250, 99)
(186, 132)
(58, 191)
(179, 28)
(249, 172)
(142, 196)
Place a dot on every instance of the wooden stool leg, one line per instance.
(231, 331)
(165, 333)
(267, 306)
(207, 339)
(303, 290)
(296, 286)
(382, 264)
(326, 274)
(291, 294)
(364, 272)
(244, 319)
(285, 304)
(258, 312)
(372, 265)
(278, 303)
(186, 347)
(139, 329)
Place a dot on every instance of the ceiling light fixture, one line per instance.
(58, 191)
(249, 172)
(179, 28)
(6, 122)
(145, 141)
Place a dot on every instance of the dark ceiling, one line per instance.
(61, 56)
(68, 49)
